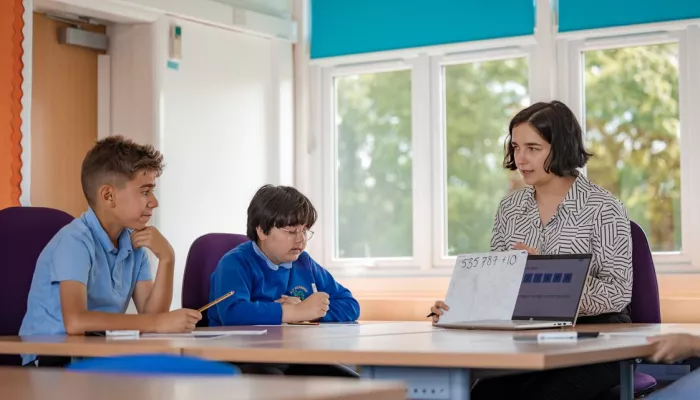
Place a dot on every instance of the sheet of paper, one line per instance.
(203, 334)
(484, 286)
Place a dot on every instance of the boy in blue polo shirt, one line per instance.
(88, 272)
(274, 280)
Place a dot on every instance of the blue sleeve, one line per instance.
(233, 273)
(145, 273)
(70, 260)
(343, 307)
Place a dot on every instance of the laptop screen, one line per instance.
(552, 287)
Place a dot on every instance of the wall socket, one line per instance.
(427, 393)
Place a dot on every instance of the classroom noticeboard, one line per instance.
(484, 286)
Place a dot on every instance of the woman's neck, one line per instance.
(555, 190)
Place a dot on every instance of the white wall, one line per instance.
(223, 120)
(134, 97)
(215, 135)
(283, 112)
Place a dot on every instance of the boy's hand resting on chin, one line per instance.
(151, 238)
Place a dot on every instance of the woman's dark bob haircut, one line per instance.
(557, 125)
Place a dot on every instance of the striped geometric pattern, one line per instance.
(589, 220)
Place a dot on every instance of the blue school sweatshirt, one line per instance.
(257, 283)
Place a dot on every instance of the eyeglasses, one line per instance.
(307, 234)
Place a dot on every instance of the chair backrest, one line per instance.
(153, 364)
(203, 257)
(645, 306)
(24, 232)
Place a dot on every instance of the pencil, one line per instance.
(215, 302)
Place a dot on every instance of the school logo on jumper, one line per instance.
(300, 292)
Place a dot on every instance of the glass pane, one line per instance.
(374, 171)
(633, 129)
(481, 98)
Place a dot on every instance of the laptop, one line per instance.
(549, 297)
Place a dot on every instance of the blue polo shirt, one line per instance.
(82, 252)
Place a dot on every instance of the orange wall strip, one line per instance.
(11, 51)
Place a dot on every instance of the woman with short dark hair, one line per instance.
(562, 212)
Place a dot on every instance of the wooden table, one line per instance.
(439, 348)
(642, 330)
(446, 357)
(427, 357)
(294, 333)
(29, 384)
(81, 346)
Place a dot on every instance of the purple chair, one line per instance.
(202, 259)
(24, 232)
(645, 306)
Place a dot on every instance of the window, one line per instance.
(374, 165)
(633, 128)
(410, 166)
(480, 99)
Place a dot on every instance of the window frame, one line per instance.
(570, 49)
(330, 160)
(439, 136)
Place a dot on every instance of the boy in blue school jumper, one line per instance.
(88, 272)
(274, 280)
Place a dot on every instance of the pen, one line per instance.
(113, 333)
(432, 314)
(215, 302)
(313, 287)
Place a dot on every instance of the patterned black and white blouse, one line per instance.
(589, 220)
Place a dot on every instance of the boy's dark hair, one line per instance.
(115, 160)
(556, 124)
(278, 207)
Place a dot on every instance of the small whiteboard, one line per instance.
(484, 286)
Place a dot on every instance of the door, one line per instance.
(64, 116)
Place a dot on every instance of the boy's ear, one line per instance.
(261, 234)
(106, 195)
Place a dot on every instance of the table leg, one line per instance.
(425, 383)
(626, 380)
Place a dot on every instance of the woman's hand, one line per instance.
(437, 310)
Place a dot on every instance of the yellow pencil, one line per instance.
(215, 302)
